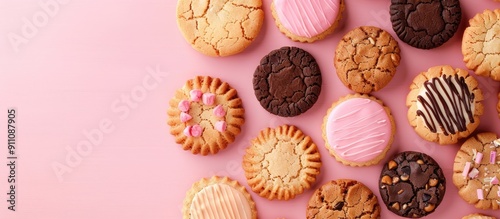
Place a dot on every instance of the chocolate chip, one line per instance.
(426, 197)
(406, 170)
(338, 206)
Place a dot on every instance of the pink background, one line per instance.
(87, 62)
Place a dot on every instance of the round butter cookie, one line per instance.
(205, 115)
(481, 44)
(444, 104)
(220, 27)
(307, 21)
(358, 130)
(218, 198)
(476, 171)
(281, 163)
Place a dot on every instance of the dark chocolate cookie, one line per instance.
(425, 24)
(287, 81)
(412, 184)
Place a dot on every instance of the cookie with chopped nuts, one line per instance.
(476, 171)
(343, 198)
(412, 184)
(366, 59)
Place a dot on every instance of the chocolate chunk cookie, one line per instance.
(425, 24)
(287, 82)
(343, 198)
(412, 184)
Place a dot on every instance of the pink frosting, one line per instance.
(196, 130)
(184, 105)
(195, 95)
(358, 129)
(208, 99)
(185, 117)
(219, 111)
(307, 18)
(220, 126)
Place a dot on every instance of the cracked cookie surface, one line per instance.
(218, 198)
(366, 59)
(481, 44)
(220, 27)
(412, 184)
(281, 163)
(444, 104)
(287, 81)
(476, 171)
(205, 115)
(425, 24)
(343, 198)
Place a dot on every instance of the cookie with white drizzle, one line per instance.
(358, 130)
(476, 171)
(205, 115)
(444, 104)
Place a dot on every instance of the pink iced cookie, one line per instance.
(307, 21)
(358, 130)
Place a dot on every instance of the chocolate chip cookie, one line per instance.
(412, 184)
(343, 198)
(287, 81)
(425, 24)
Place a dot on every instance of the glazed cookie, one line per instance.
(477, 216)
(358, 130)
(412, 184)
(476, 171)
(425, 24)
(481, 44)
(307, 21)
(366, 59)
(205, 115)
(287, 81)
(281, 163)
(220, 27)
(343, 198)
(218, 198)
(444, 104)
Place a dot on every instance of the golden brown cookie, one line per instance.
(358, 130)
(498, 105)
(343, 198)
(205, 115)
(481, 44)
(218, 198)
(444, 104)
(220, 27)
(281, 163)
(477, 216)
(366, 59)
(307, 21)
(476, 171)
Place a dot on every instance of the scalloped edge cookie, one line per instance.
(281, 163)
(205, 115)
